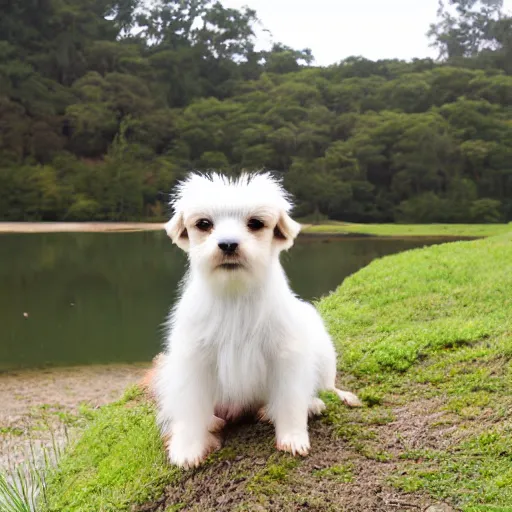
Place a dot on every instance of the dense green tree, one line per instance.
(104, 104)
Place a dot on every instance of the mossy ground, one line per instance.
(425, 337)
(412, 230)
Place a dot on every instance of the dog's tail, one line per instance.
(147, 383)
(347, 397)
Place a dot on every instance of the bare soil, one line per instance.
(38, 406)
(241, 480)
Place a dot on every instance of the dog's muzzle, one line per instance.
(229, 250)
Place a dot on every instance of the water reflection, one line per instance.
(83, 298)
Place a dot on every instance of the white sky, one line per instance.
(336, 29)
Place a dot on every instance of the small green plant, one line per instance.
(23, 485)
(341, 473)
(371, 397)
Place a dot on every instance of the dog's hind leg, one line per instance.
(317, 405)
(329, 384)
(316, 408)
(229, 412)
(327, 377)
(216, 424)
(347, 397)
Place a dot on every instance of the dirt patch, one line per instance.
(354, 452)
(249, 474)
(39, 405)
(419, 425)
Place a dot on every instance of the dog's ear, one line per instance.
(286, 231)
(177, 232)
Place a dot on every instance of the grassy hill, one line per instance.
(412, 230)
(425, 337)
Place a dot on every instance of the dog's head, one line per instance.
(232, 228)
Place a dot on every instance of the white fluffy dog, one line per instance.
(239, 339)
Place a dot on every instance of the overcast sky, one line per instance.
(336, 29)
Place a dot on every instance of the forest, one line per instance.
(105, 104)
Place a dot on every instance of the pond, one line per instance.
(86, 298)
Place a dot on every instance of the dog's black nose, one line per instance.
(228, 247)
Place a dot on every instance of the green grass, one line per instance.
(401, 230)
(269, 480)
(424, 336)
(436, 324)
(118, 461)
(340, 472)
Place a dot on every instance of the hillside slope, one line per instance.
(425, 338)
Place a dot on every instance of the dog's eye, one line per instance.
(255, 224)
(204, 225)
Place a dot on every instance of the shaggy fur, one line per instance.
(239, 340)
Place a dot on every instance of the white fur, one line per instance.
(239, 339)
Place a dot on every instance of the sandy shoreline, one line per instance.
(38, 404)
(78, 227)
(82, 227)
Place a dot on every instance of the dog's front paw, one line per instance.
(296, 443)
(188, 454)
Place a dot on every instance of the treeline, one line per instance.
(104, 104)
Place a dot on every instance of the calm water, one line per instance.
(101, 298)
